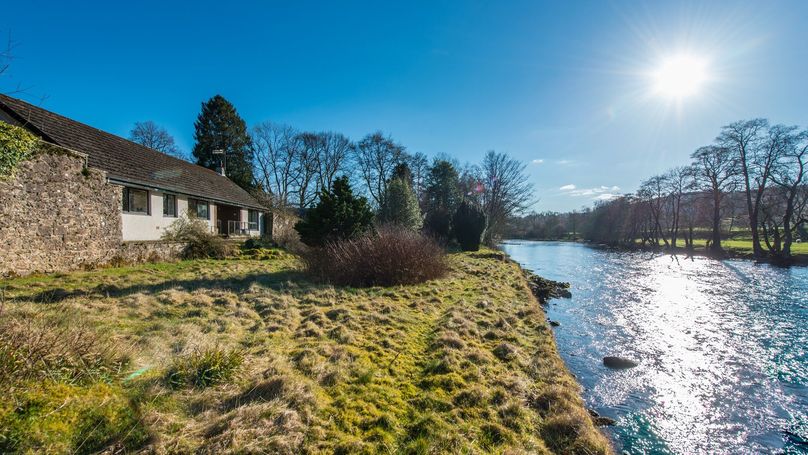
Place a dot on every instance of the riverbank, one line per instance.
(247, 355)
(733, 249)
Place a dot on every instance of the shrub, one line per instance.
(390, 256)
(400, 206)
(338, 215)
(468, 226)
(16, 144)
(204, 368)
(200, 242)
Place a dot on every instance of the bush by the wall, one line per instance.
(468, 226)
(16, 144)
(200, 242)
(338, 215)
(392, 255)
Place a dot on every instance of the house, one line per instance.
(156, 188)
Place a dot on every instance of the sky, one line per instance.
(570, 88)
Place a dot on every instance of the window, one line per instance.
(169, 205)
(198, 209)
(135, 201)
(252, 217)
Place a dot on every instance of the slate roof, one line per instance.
(126, 161)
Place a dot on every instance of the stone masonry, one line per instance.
(57, 215)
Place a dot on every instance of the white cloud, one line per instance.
(564, 162)
(606, 197)
(598, 192)
(537, 161)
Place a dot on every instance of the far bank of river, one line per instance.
(721, 346)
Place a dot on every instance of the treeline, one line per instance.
(290, 169)
(750, 179)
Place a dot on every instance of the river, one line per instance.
(722, 346)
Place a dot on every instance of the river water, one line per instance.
(722, 346)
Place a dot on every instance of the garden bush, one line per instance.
(468, 226)
(338, 215)
(16, 144)
(200, 242)
(391, 255)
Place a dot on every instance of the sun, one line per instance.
(680, 76)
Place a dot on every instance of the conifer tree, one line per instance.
(441, 198)
(219, 127)
(338, 215)
(400, 206)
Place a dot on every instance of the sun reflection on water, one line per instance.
(720, 344)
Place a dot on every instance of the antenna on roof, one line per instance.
(224, 159)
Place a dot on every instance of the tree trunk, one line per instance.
(715, 246)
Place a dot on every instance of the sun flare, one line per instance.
(680, 76)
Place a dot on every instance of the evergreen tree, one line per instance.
(400, 206)
(441, 198)
(338, 215)
(219, 127)
(468, 225)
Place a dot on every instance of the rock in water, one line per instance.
(554, 323)
(600, 420)
(619, 362)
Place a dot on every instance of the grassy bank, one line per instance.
(249, 356)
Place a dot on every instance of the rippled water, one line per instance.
(721, 345)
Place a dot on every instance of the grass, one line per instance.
(745, 246)
(266, 361)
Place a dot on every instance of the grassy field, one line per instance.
(745, 246)
(247, 356)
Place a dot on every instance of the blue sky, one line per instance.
(564, 86)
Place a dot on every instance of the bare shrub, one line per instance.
(200, 242)
(390, 256)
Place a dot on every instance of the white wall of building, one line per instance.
(141, 226)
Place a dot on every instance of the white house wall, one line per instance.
(137, 226)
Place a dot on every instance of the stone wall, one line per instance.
(57, 215)
(149, 251)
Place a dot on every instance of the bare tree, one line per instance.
(155, 137)
(789, 177)
(678, 182)
(377, 157)
(653, 192)
(744, 139)
(6, 57)
(419, 167)
(716, 167)
(276, 151)
(506, 191)
(332, 157)
(307, 167)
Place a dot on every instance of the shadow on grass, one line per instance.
(238, 284)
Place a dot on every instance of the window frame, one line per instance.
(126, 201)
(250, 222)
(193, 208)
(166, 197)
